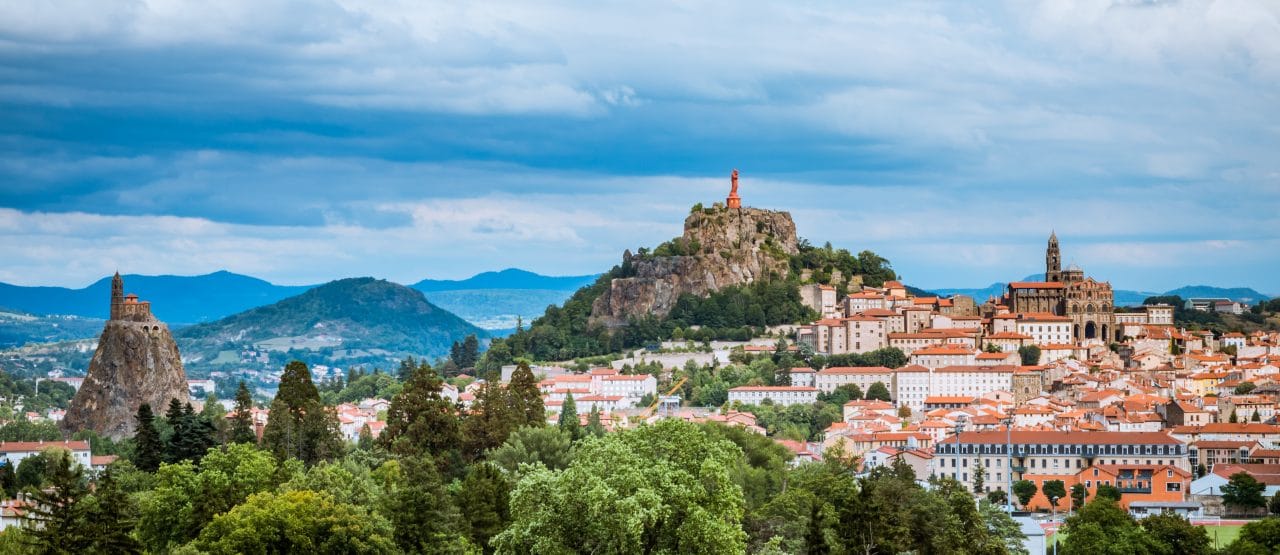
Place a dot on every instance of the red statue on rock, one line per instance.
(734, 201)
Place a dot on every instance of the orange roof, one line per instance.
(16, 446)
(1036, 285)
(854, 370)
(1069, 438)
(773, 388)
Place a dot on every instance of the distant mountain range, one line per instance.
(180, 300)
(345, 321)
(1123, 297)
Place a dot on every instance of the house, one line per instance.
(13, 452)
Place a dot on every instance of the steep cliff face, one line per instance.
(136, 362)
(719, 247)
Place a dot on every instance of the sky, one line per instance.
(301, 141)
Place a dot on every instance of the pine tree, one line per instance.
(568, 423)
(423, 513)
(112, 518)
(407, 367)
(594, 426)
(484, 501)
(299, 424)
(420, 420)
(177, 437)
(148, 447)
(199, 435)
(470, 352)
(56, 520)
(526, 398)
(242, 421)
(491, 420)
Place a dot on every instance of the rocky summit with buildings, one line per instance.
(136, 362)
(726, 244)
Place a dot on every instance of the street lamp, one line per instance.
(960, 422)
(1008, 452)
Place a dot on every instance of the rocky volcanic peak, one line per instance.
(720, 247)
(136, 362)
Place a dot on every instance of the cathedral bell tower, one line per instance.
(1052, 260)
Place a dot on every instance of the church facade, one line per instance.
(1090, 304)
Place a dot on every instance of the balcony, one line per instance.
(1134, 490)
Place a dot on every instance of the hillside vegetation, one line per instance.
(354, 319)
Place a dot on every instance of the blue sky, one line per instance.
(301, 141)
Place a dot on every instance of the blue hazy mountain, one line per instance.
(174, 299)
(510, 278)
(1122, 296)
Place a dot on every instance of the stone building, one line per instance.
(1090, 304)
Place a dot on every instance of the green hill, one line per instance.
(349, 321)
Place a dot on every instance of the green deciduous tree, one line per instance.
(1257, 538)
(299, 425)
(1024, 490)
(1055, 490)
(1078, 495)
(1030, 355)
(1103, 527)
(295, 522)
(663, 488)
(1243, 492)
(878, 392)
(1177, 535)
(1107, 491)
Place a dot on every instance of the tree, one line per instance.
(1103, 527)
(420, 420)
(299, 425)
(661, 488)
(56, 520)
(594, 426)
(1243, 492)
(148, 449)
(878, 392)
(1107, 491)
(1030, 355)
(1273, 506)
(904, 411)
(1078, 495)
(178, 431)
(1245, 388)
(547, 447)
(1024, 490)
(525, 397)
(198, 435)
(1003, 528)
(569, 419)
(1177, 534)
(1055, 490)
(484, 501)
(1255, 417)
(465, 353)
(110, 515)
(997, 497)
(1257, 537)
(422, 513)
(492, 418)
(1233, 418)
(979, 476)
(296, 522)
(242, 419)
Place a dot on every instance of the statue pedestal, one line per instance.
(733, 201)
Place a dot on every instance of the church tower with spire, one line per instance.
(1052, 260)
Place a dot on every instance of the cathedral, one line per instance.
(1087, 302)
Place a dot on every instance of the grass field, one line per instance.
(1220, 536)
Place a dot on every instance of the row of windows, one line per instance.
(952, 445)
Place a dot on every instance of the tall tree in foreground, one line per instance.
(111, 517)
(569, 423)
(1243, 492)
(421, 421)
(177, 432)
(490, 422)
(525, 397)
(242, 418)
(484, 501)
(148, 448)
(422, 512)
(299, 424)
(56, 520)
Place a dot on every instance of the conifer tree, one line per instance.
(491, 420)
(299, 424)
(111, 518)
(148, 447)
(420, 420)
(407, 367)
(484, 501)
(526, 398)
(199, 435)
(568, 423)
(242, 421)
(594, 426)
(424, 516)
(56, 520)
(177, 437)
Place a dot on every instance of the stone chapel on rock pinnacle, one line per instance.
(136, 362)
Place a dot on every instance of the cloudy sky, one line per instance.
(301, 141)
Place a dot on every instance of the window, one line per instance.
(1173, 486)
(1169, 473)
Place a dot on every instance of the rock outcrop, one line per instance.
(136, 362)
(720, 247)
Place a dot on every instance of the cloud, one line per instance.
(437, 138)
